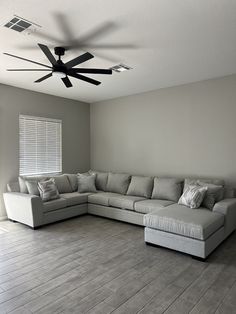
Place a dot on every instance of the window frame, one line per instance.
(46, 119)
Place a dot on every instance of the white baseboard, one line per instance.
(3, 218)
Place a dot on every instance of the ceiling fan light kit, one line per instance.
(64, 70)
(58, 74)
(121, 68)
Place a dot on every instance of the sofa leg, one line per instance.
(11, 220)
(200, 259)
(152, 244)
(35, 228)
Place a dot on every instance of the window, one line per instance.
(40, 145)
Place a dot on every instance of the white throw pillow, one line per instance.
(86, 183)
(48, 190)
(193, 196)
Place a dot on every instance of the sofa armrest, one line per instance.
(227, 207)
(24, 208)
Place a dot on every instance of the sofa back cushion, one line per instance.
(215, 190)
(101, 179)
(13, 187)
(73, 181)
(214, 194)
(140, 186)
(167, 189)
(194, 181)
(62, 183)
(22, 181)
(229, 192)
(118, 182)
(32, 187)
(22, 184)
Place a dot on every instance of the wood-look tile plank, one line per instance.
(98, 266)
(228, 305)
(80, 286)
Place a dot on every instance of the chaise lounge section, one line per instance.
(146, 201)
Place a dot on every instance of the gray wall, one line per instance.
(75, 130)
(177, 131)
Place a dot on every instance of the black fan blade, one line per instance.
(84, 78)
(48, 54)
(44, 65)
(43, 78)
(100, 31)
(84, 57)
(67, 82)
(29, 70)
(92, 71)
(89, 46)
(64, 24)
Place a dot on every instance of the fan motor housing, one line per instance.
(59, 51)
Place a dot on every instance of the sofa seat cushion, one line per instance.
(75, 198)
(101, 198)
(148, 206)
(124, 201)
(194, 223)
(54, 205)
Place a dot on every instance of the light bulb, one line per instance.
(59, 74)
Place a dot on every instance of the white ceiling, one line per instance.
(172, 43)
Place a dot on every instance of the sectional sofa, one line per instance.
(146, 201)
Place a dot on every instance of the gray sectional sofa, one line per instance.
(146, 201)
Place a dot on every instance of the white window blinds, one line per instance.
(40, 145)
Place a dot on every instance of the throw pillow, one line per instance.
(167, 189)
(86, 183)
(193, 196)
(140, 186)
(22, 181)
(118, 182)
(214, 194)
(48, 190)
(32, 187)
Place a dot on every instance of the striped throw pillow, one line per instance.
(48, 190)
(193, 196)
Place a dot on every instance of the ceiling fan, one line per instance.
(62, 70)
